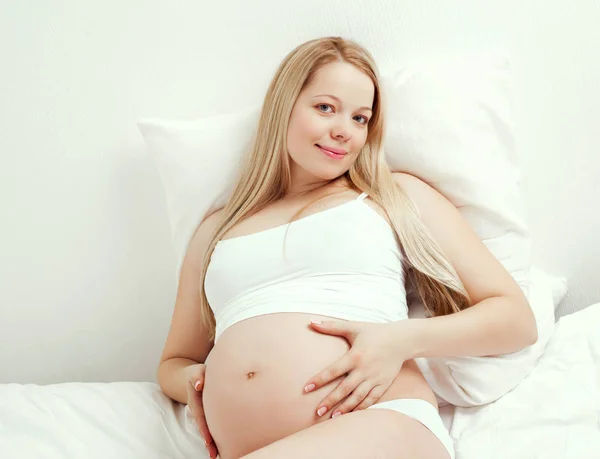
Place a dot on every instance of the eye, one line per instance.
(366, 120)
(324, 105)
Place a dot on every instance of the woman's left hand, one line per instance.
(377, 353)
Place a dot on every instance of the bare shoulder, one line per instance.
(422, 194)
(199, 242)
(433, 207)
(435, 210)
(407, 180)
(480, 272)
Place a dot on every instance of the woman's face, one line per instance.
(330, 113)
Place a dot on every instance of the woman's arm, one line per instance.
(500, 320)
(187, 343)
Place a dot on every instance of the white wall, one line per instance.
(86, 266)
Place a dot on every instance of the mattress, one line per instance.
(553, 414)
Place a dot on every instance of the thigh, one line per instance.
(366, 434)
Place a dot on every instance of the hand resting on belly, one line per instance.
(254, 383)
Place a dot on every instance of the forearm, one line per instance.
(498, 325)
(173, 379)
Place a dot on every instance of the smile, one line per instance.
(330, 153)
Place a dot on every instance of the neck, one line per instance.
(303, 183)
(297, 189)
(308, 184)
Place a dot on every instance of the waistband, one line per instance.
(425, 413)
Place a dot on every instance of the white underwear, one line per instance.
(425, 413)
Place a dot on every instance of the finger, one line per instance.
(342, 391)
(356, 397)
(209, 442)
(198, 409)
(371, 398)
(197, 384)
(197, 379)
(333, 371)
(203, 428)
(212, 450)
(343, 328)
(198, 412)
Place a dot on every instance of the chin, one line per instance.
(328, 174)
(320, 168)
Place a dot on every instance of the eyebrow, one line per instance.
(338, 99)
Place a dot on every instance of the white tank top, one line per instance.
(343, 262)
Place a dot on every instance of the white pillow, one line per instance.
(197, 162)
(472, 381)
(448, 122)
(560, 287)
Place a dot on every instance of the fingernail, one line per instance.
(337, 413)
(309, 388)
(318, 322)
(196, 385)
(322, 411)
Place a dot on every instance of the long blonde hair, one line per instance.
(265, 176)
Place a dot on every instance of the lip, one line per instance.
(337, 151)
(330, 153)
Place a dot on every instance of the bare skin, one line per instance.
(252, 391)
(255, 374)
(253, 404)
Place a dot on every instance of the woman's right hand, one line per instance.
(195, 374)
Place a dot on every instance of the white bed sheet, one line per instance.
(553, 414)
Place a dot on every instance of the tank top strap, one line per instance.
(362, 196)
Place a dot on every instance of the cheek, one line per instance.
(310, 126)
(304, 129)
(360, 139)
(295, 126)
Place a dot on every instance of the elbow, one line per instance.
(524, 325)
(533, 335)
(531, 328)
(158, 374)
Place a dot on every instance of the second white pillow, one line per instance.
(448, 123)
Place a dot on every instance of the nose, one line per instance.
(341, 131)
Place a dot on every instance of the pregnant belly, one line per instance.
(255, 376)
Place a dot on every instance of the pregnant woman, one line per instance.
(290, 335)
